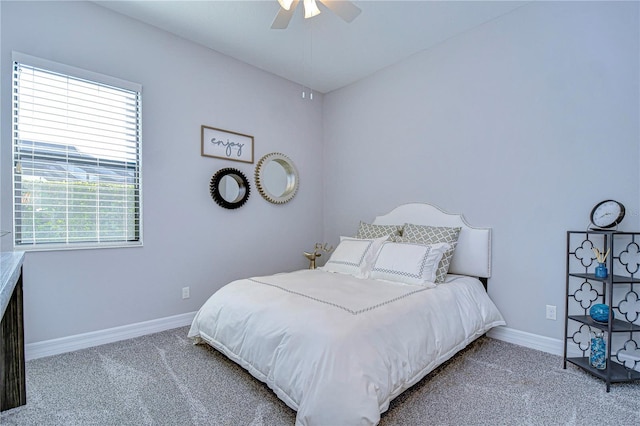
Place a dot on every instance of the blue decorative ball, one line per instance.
(600, 312)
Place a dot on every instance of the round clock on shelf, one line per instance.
(607, 214)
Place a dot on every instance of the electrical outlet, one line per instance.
(551, 312)
(185, 292)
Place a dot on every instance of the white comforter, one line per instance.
(335, 348)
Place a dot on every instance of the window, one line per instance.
(76, 154)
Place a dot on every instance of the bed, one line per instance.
(338, 343)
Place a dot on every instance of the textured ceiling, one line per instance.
(324, 52)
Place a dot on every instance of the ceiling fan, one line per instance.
(343, 8)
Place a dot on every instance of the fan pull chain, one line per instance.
(310, 68)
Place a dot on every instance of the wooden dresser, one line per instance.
(12, 362)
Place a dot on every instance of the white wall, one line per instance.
(188, 239)
(521, 124)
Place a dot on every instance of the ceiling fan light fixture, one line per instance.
(310, 8)
(345, 9)
(285, 4)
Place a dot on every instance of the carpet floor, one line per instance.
(163, 379)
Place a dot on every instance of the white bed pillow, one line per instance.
(408, 263)
(354, 256)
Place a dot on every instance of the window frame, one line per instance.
(91, 77)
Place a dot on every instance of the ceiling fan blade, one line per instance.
(343, 8)
(283, 17)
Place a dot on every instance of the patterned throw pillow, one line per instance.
(369, 230)
(430, 235)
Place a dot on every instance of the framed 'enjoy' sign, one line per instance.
(225, 144)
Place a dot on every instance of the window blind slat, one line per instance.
(76, 159)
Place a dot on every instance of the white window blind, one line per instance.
(76, 152)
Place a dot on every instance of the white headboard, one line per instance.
(473, 252)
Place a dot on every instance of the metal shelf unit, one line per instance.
(620, 290)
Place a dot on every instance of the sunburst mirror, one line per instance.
(229, 188)
(276, 178)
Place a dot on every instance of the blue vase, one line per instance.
(601, 271)
(600, 312)
(598, 355)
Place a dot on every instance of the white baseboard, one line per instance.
(529, 340)
(101, 337)
(110, 335)
(547, 344)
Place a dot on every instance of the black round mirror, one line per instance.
(229, 188)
